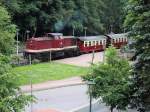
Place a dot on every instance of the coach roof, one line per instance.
(121, 35)
(92, 38)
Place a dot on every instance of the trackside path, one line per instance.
(53, 84)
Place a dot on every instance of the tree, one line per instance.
(7, 32)
(138, 22)
(40, 16)
(87, 13)
(11, 98)
(112, 80)
(113, 15)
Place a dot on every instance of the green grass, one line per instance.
(47, 71)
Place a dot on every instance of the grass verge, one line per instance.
(47, 71)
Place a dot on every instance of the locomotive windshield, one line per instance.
(55, 36)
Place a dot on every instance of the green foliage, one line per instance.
(113, 15)
(40, 16)
(138, 21)
(11, 99)
(112, 80)
(7, 32)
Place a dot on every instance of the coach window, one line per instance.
(100, 42)
(119, 39)
(89, 43)
(104, 42)
(85, 44)
(92, 43)
(116, 40)
(96, 42)
(122, 39)
(113, 40)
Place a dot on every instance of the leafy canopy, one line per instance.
(7, 32)
(40, 16)
(11, 98)
(112, 80)
(138, 21)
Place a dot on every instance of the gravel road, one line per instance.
(83, 60)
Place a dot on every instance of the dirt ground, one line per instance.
(83, 60)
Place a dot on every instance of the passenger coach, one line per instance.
(117, 40)
(91, 43)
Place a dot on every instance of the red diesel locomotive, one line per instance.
(56, 45)
(50, 42)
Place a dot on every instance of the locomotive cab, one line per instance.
(54, 36)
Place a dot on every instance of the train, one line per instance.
(54, 45)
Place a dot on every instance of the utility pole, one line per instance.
(50, 56)
(93, 56)
(27, 34)
(73, 31)
(111, 28)
(17, 42)
(30, 62)
(90, 84)
(85, 28)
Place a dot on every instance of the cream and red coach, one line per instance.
(117, 40)
(91, 43)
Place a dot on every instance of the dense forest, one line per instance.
(66, 16)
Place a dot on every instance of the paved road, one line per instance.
(64, 99)
(83, 60)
